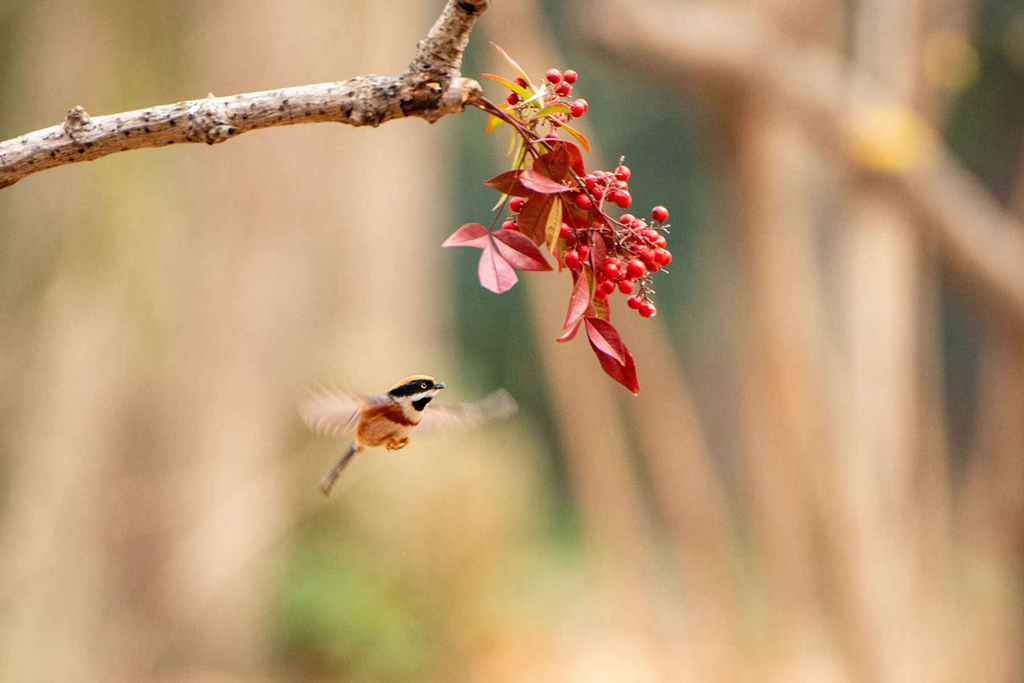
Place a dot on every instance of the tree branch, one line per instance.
(709, 44)
(431, 88)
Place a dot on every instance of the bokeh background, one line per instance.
(823, 477)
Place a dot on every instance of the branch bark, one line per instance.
(432, 87)
(709, 44)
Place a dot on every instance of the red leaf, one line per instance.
(469, 235)
(519, 251)
(623, 374)
(494, 272)
(557, 162)
(579, 300)
(604, 337)
(570, 334)
(533, 217)
(538, 182)
(508, 183)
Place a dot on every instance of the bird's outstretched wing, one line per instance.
(495, 406)
(332, 412)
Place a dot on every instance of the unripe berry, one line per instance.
(512, 98)
(648, 310)
(572, 259)
(623, 172)
(663, 257)
(635, 268)
(554, 76)
(565, 232)
(576, 109)
(626, 286)
(583, 201)
(515, 204)
(659, 213)
(563, 90)
(612, 268)
(633, 302)
(570, 76)
(509, 225)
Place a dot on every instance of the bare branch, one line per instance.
(709, 44)
(431, 88)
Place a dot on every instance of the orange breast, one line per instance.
(380, 424)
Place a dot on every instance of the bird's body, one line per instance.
(388, 419)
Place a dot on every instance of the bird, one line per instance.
(387, 419)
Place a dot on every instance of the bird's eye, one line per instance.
(423, 385)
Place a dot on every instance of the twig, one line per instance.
(431, 88)
(708, 43)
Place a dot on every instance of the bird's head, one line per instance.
(418, 390)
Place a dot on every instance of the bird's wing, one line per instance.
(496, 406)
(332, 412)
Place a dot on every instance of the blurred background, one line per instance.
(822, 479)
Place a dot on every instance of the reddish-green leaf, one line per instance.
(603, 335)
(508, 183)
(469, 235)
(511, 85)
(556, 108)
(553, 224)
(495, 273)
(580, 137)
(623, 373)
(533, 216)
(533, 180)
(579, 301)
(515, 65)
(519, 251)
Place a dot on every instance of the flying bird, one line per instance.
(387, 419)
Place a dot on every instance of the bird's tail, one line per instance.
(327, 483)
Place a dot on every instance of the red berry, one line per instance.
(635, 268)
(626, 286)
(646, 254)
(623, 172)
(648, 310)
(577, 110)
(633, 302)
(572, 259)
(554, 76)
(565, 232)
(590, 181)
(652, 266)
(660, 241)
(623, 199)
(612, 268)
(663, 257)
(563, 90)
(521, 82)
(650, 234)
(570, 76)
(607, 287)
(659, 213)
(516, 204)
(583, 201)
(584, 251)
(627, 218)
(584, 104)
(509, 225)
(512, 99)
(599, 294)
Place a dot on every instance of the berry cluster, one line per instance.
(555, 203)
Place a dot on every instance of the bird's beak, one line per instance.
(440, 385)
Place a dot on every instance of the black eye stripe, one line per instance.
(410, 388)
